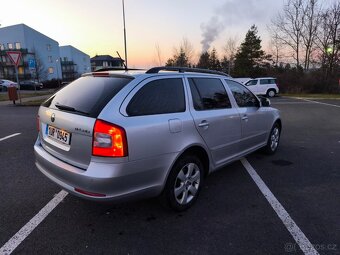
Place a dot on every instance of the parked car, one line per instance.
(4, 84)
(31, 85)
(118, 135)
(263, 86)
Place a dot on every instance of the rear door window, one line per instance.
(264, 81)
(87, 95)
(158, 97)
(208, 94)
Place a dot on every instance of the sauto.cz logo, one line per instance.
(53, 117)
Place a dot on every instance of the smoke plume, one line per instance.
(210, 32)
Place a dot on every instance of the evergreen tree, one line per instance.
(215, 63)
(180, 59)
(204, 61)
(250, 59)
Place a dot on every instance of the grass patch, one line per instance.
(314, 96)
(25, 94)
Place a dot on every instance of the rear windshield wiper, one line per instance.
(70, 109)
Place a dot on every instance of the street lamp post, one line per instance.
(57, 61)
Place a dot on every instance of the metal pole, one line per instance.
(57, 72)
(17, 76)
(126, 63)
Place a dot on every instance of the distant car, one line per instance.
(263, 86)
(4, 84)
(114, 135)
(31, 85)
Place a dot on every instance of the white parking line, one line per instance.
(20, 236)
(294, 230)
(9, 136)
(317, 102)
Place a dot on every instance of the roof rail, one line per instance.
(116, 69)
(184, 70)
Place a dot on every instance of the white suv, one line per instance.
(263, 86)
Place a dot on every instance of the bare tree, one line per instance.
(309, 29)
(276, 48)
(328, 38)
(187, 48)
(288, 27)
(230, 49)
(159, 58)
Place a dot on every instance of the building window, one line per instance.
(50, 70)
(105, 64)
(48, 47)
(10, 46)
(18, 45)
(50, 60)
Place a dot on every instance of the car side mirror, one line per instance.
(265, 102)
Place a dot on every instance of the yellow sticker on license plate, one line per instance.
(59, 135)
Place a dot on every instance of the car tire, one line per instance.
(271, 93)
(183, 184)
(273, 139)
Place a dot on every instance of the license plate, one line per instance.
(59, 135)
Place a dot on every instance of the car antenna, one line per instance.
(125, 66)
(126, 63)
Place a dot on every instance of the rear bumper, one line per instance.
(117, 182)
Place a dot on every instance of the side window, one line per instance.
(243, 97)
(264, 81)
(251, 83)
(208, 94)
(158, 97)
(272, 81)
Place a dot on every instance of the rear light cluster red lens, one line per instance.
(109, 140)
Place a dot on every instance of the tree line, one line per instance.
(304, 54)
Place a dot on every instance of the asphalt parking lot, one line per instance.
(232, 215)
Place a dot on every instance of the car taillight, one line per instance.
(38, 123)
(109, 140)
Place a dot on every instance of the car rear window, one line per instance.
(87, 95)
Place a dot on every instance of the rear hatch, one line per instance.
(66, 120)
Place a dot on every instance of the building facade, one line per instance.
(40, 54)
(105, 61)
(73, 62)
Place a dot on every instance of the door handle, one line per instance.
(245, 118)
(204, 123)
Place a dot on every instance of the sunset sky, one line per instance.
(96, 27)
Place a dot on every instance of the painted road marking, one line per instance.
(9, 136)
(317, 102)
(20, 236)
(274, 103)
(299, 237)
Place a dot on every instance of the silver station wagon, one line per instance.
(114, 135)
